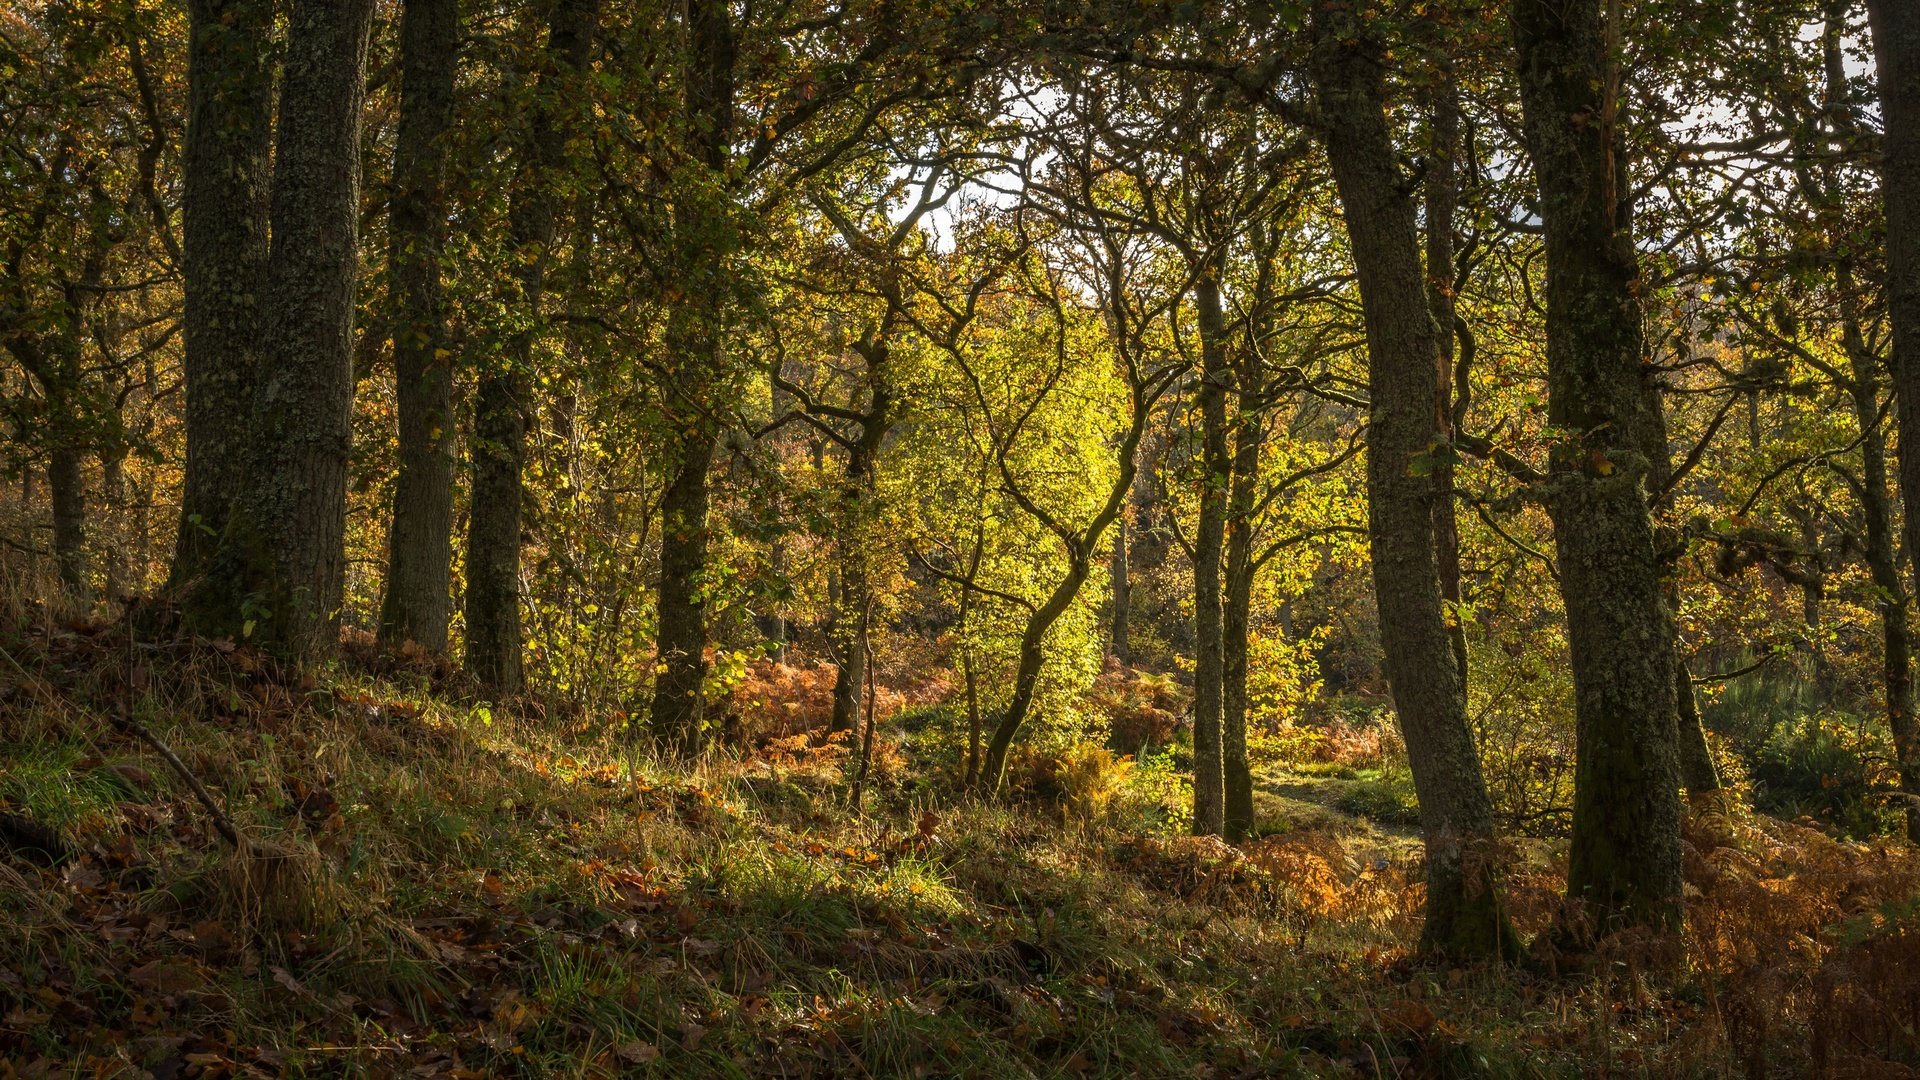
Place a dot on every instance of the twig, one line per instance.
(220, 819)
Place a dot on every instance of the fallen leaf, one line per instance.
(133, 774)
(168, 977)
(638, 1052)
(691, 1034)
(1410, 1017)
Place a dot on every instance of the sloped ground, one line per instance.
(430, 890)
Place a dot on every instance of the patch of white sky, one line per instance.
(1027, 106)
(1711, 121)
(997, 185)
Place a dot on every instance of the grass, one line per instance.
(492, 896)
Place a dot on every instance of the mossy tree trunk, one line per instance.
(856, 497)
(500, 405)
(419, 591)
(1120, 585)
(1625, 862)
(1896, 46)
(1236, 608)
(1465, 915)
(1695, 759)
(223, 208)
(1883, 569)
(279, 571)
(1443, 200)
(698, 346)
(1209, 540)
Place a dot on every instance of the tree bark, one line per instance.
(1121, 587)
(1236, 613)
(1209, 668)
(67, 485)
(679, 702)
(856, 493)
(1695, 759)
(124, 555)
(698, 343)
(1443, 198)
(1883, 567)
(419, 590)
(1896, 45)
(1465, 915)
(223, 208)
(279, 572)
(1625, 864)
(500, 405)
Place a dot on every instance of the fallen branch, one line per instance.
(220, 820)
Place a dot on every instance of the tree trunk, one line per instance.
(122, 558)
(1080, 554)
(1625, 864)
(1896, 46)
(771, 623)
(281, 566)
(850, 632)
(500, 407)
(699, 348)
(1209, 776)
(1121, 585)
(1236, 615)
(1695, 759)
(1443, 197)
(492, 601)
(1697, 770)
(679, 701)
(973, 717)
(67, 486)
(223, 213)
(53, 361)
(419, 596)
(1465, 915)
(1026, 677)
(1883, 567)
(856, 495)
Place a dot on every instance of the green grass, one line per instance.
(1382, 796)
(498, 897)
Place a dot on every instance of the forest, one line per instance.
(975, 538)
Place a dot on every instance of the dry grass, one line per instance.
(472, 894)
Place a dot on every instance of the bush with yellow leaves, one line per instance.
(1082, 779)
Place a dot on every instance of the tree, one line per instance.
(1465, 913)
(861, 425)
(500, 405)
(225, 172)
(87, 261)
(696, 340)
(1896, 46)
(419, 593)
(1209, 545)
(277, 575)
(1625, 862)
(1079, 541)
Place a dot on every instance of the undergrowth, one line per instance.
(431, 889)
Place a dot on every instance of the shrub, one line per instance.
(1158, 795)
(1082, 779)
(1142, 710)
(1827, 765)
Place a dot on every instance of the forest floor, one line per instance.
(426, 889)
